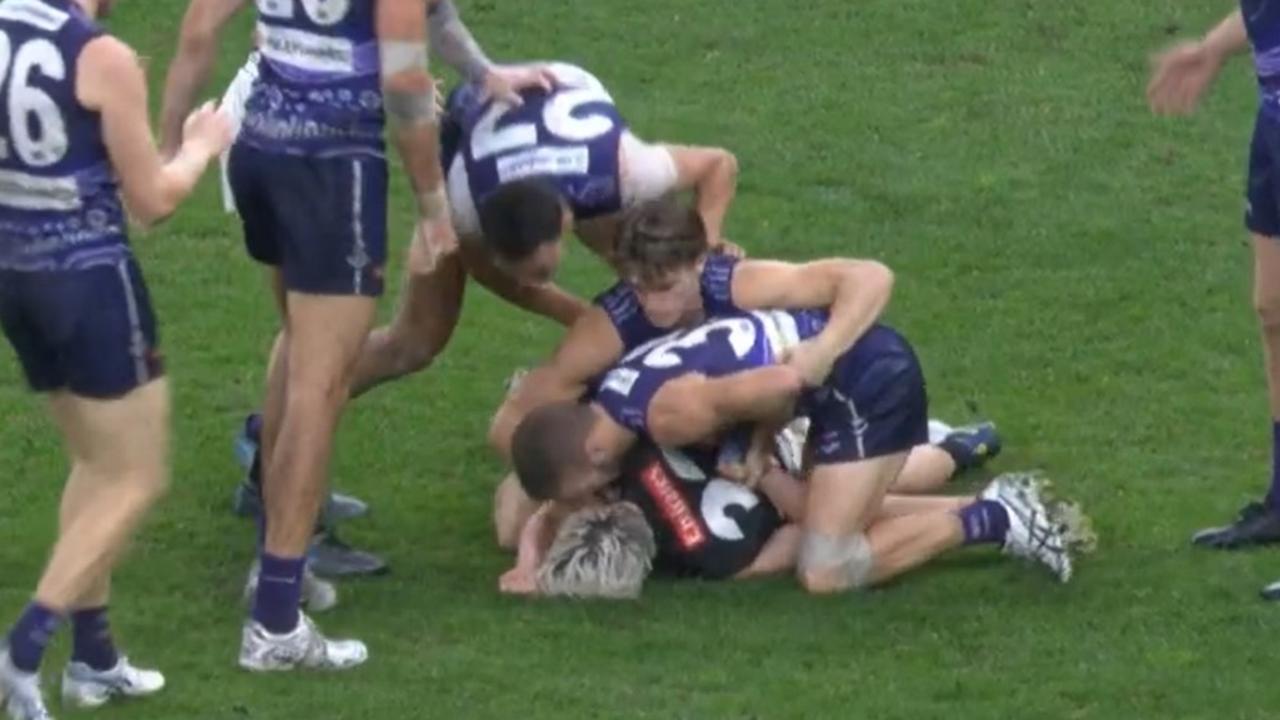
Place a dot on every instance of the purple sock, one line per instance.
(985, 521)
(31, 635)
(93, 644)
(279, 593)
(1273, 494)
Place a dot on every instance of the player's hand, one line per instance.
(1180, 76)
(504, 82)
(433, 240)
(208, 130)
(732, 249)
(518, 581)
(811, 361)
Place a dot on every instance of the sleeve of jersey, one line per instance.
(717, 285)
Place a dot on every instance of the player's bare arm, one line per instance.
(854, 291)
(590, 348)
(546, 299)
(712, 174)
(409, 96)
(694, 408)
(109, 79)
(454, 43)
(192, 63)
(1183, 73)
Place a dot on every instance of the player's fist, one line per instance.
(1180, 76)
(811, 361)
(725, 247)
(433, 241)
(208, 129)
(518, 581)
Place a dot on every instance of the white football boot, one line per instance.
(1041, 528)
(304, 647)
(84, 687)
(20, 695)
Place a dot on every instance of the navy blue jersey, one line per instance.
(569, 136)
(60, 204)
(1262, 20)
(718, 347)
(634, 329)
(704, 526)
(319, 87)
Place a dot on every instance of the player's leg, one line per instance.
(931, 466)
(1259, 522)
(120, 451)
(329, 220)
(87, 338)
(426, 316)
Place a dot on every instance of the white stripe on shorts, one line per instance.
(137, 341)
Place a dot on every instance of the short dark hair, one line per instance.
(548, 442)
(520, 216)
(658, 237)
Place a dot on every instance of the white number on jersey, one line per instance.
(557, 115)
(661, 353)
(718, 496)
(37, 131)
(321, 12)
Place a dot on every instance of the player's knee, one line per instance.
(829, 564)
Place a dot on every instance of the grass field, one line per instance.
(1067, 264)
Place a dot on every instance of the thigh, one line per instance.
(332, 222)
(128, 434)
(325, 335)
(845, 497)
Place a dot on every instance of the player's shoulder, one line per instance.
(108, 68)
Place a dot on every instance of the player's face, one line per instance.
(540, 267)
(673, 300)
(584, 485)
(104, 8)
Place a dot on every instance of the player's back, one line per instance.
(319, 89)
(569, 135)
(718, 347)
(704, 526)
(60, 206)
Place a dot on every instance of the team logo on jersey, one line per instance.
(672, 505)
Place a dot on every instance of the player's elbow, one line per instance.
(874, 278)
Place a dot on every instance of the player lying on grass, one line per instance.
(671, 510)
(707, 284)
(866, 403)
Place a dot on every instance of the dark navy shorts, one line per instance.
(873, 404)
(91, 332)
(1262, 212)
(322, 221)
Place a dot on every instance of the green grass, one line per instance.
(1068, 264)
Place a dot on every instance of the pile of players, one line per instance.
(709, 414)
